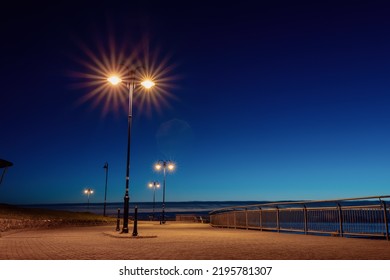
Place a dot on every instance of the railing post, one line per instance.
(246, 218)
(305, 218)
(261, 218)
(385, 220)
(340, 219)
(277, 219)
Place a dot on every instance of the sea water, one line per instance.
(146, 209)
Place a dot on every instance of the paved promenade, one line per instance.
(184, 241)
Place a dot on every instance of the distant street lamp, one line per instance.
(4, 164)
(130, 85)
(88, 192)
(164, 165)
(105, 190)
(154, 185)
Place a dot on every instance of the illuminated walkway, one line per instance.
(183, 241)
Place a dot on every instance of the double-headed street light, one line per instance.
(130, 84)
(154, 185)
(88, 192)
(164, 165)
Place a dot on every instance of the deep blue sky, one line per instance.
(272, 101)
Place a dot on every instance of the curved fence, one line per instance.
(363, 216)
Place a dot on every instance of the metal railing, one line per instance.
(363, 216)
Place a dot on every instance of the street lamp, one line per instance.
(4, 164)
(154, 185)
(88, 192)
(130, 85)
(105, 189)
(164, 165)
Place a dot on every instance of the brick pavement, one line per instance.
(185, 241)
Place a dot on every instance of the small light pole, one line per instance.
(135, 228)
(164, 165)
(118, 220)
(154, 185)
(105, 190)
(88, 192)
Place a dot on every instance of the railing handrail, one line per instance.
(303, 202)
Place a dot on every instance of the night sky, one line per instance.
(261, 100)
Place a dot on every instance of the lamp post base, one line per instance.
(125, 228)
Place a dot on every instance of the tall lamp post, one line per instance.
(164, 165)
(88, 192)
(130, 85)
(105, 189)
(154, 185)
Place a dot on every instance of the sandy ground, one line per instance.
(184, 241)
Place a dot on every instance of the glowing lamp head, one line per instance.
(150, 185)
(114, 80)
(158, 166)
(171, 166)
(88, 191)
(147, 84)
(157, 185)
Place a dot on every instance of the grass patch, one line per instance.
(14, 217)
